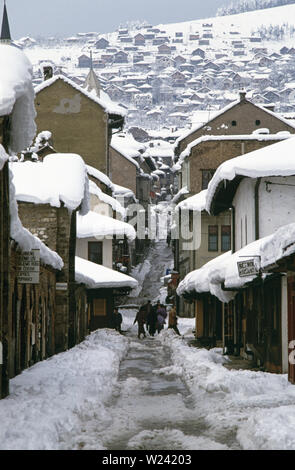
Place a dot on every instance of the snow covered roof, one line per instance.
(25, 240)
(207, 279)
(274, 160)
(127, 146)
(48, 182)
(97, 225)
(121, 191)
(105, 102)
(182, 192)
(96, 276)
(100, 176)
(103, 197)
(194, 203)
(256, 135)
(17, 96)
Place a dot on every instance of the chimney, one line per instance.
(270, 107)
(242, 95)
(47, 72)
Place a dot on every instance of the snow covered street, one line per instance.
(116, 392)
(165, 395)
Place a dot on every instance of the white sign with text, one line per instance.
(29, 267)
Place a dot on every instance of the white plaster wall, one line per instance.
(277, 205)
(244, 203)
(107, 253)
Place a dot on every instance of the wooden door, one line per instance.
(291, 328)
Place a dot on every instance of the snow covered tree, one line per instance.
(241, 6)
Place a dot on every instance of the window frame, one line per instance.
(216, 235)
(95, 243)
(227, 227)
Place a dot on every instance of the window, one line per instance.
(206, 177)
(95, 252)
(234, 123)
(257, 122)
(225, 237)
(213, 238)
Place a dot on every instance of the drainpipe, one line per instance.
(256, 196)
(233, 224)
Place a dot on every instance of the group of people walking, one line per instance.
(154, 317)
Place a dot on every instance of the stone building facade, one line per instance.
(122, 171)
(78, 122)
(57, 228)
(4, 276)
(242, 117)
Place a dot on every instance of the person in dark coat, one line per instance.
(141, 320)
(117, 320)
(152, 320)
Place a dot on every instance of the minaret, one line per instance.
(92, 81)
(5, 30)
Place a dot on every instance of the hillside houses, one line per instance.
(257, 68)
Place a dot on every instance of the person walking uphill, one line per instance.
(172, 320)
(117, 320)
(151, 318)
(141, 320)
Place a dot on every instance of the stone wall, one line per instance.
(57, 228)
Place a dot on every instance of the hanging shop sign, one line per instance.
(248, 268)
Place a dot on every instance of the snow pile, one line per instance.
(103, 197)
(278, 246)
(97, 225)
(49, 401)
(106, 103)
(194, 203)
(48, 182)
(96, 276)
(257, 407)
(3, 157)
(17, 96)
(274, 160)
